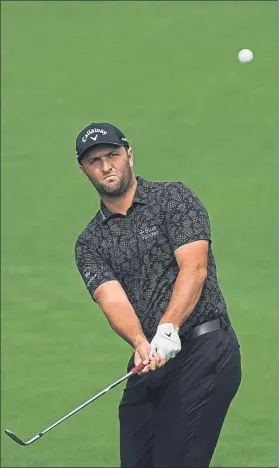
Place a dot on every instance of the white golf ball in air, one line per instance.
(245, 55)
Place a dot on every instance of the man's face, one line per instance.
(109, 169)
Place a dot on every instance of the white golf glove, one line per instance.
(166, 342)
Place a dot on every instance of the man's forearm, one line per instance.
(123, 320)
(186, 293)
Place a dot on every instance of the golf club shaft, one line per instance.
(135, 370)
(80, 407)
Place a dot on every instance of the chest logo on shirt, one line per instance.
(149, 232)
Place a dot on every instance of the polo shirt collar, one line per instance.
(141, 196)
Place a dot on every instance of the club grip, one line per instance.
(137, 369)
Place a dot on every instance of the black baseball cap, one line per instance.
(99, 133)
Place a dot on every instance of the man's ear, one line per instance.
(131, 156)
(82, 170)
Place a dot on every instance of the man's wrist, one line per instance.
(169, 322)
(138, 339)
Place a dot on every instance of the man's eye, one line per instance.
(113, 155)
(93, 161)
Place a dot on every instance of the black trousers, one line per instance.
(172, 417)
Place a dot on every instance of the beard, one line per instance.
(119, 184)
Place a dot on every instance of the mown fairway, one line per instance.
(167, 74)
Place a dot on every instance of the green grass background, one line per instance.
(167, 74)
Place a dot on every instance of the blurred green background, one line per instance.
(167, 74)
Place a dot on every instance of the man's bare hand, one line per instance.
(143, 356)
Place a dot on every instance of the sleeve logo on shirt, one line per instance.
(91, 279)
(86, 272)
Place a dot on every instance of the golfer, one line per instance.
(146, 258)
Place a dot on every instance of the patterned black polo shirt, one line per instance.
(138, 251)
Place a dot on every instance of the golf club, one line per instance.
(16, 439)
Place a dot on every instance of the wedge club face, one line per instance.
(18, 440)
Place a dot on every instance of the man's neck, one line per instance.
(122, 203)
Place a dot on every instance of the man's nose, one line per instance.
(105, 165)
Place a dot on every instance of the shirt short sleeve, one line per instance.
(186, 218)
(93, 268)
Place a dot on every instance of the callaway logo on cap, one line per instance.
(99, 134)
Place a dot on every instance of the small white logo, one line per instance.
(124, 139)
(94, 138)
(93, 130)
(149, 232)
(91, 279)
(86, 272)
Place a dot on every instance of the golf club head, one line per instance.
(14, 437)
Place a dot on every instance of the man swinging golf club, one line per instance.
(146, 258)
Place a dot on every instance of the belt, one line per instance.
(207, 327)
